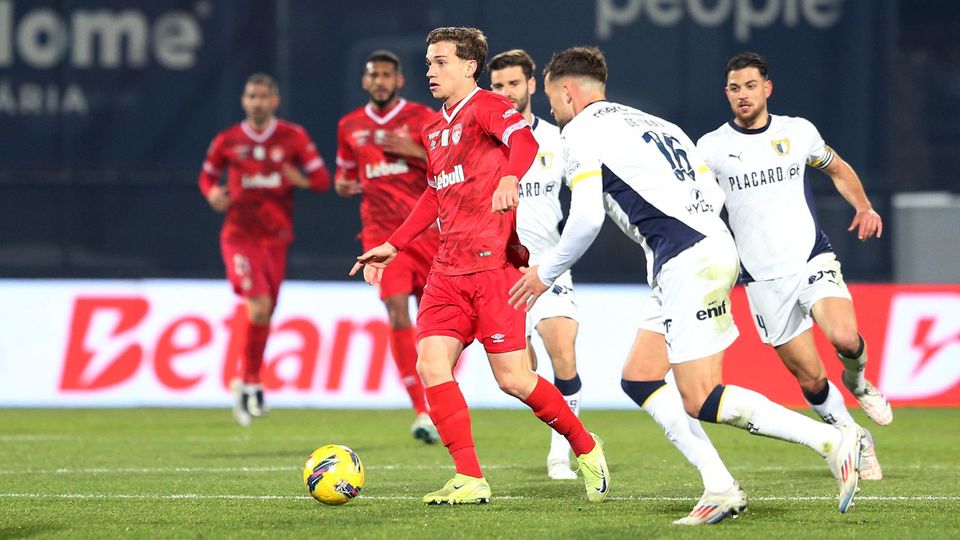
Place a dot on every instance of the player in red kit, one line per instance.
(379, 155)
(478, 146)
(266, 159)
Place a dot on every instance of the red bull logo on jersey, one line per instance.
(387, 168)
(255, 181)
(446, 179)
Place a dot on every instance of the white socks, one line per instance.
(666, 408)
(833, 410)
(752, 411)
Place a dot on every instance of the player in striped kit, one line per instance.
(648, 176)
(555, 314)
(792, 276)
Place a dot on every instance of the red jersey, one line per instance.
(261, 198)
(467, 152)
(390, 184)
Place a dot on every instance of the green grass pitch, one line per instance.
(151, 473)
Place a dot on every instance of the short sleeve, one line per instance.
(819, 154)
(500, 119)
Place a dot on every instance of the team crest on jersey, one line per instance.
(276, 154)
(545, 159)
(259, 153)
(360, 136)
(782, 146)
(456, 133)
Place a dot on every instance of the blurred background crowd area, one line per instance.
(108, 106)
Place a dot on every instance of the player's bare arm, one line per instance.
(867, 221)
(403, 146)
(507, 195)
(527, 289)
(218, 198)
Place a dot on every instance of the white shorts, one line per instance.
(557, 301)
(690, 304)
(781, 307)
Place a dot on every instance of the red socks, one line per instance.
(550, 407)
(405, 354)
(449, 413)
(253, 352)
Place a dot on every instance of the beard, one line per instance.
(522, 103)
(383, 103)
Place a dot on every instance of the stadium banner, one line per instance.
(175, 343)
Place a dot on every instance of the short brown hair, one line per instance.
(512, 58)
(746, 60)
(263, 78)
(471, 43)
(578, 62)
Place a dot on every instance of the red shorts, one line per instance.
(474, 306)
(254, 270)
(407, 273)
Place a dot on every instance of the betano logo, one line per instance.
(43, 37)
(922, 350)
(445, 179)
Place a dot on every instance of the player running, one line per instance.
(379, 155)
(264, 156)
(478, 147)
(658, 189)
(539, 213)
(792, 276)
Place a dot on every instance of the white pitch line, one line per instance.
(176, 470)
(181, 496)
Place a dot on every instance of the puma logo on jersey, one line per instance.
(271, 180)
(736, 156)
(445, 179)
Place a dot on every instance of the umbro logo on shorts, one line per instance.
(497, 338)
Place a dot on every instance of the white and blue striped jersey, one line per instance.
(648, 176)
(768, 197)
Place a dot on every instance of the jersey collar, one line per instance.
(536, 121)
(381, 120)
(261, 136)
(751, 131)
(449, 117)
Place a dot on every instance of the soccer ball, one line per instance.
(333, 474)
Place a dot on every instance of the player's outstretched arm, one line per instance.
(867, 221)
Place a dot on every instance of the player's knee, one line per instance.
(846, 340)
(431, 372)
(516, 383)
(692, 406)
(812, 385)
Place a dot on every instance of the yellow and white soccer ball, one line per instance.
(333, 474)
